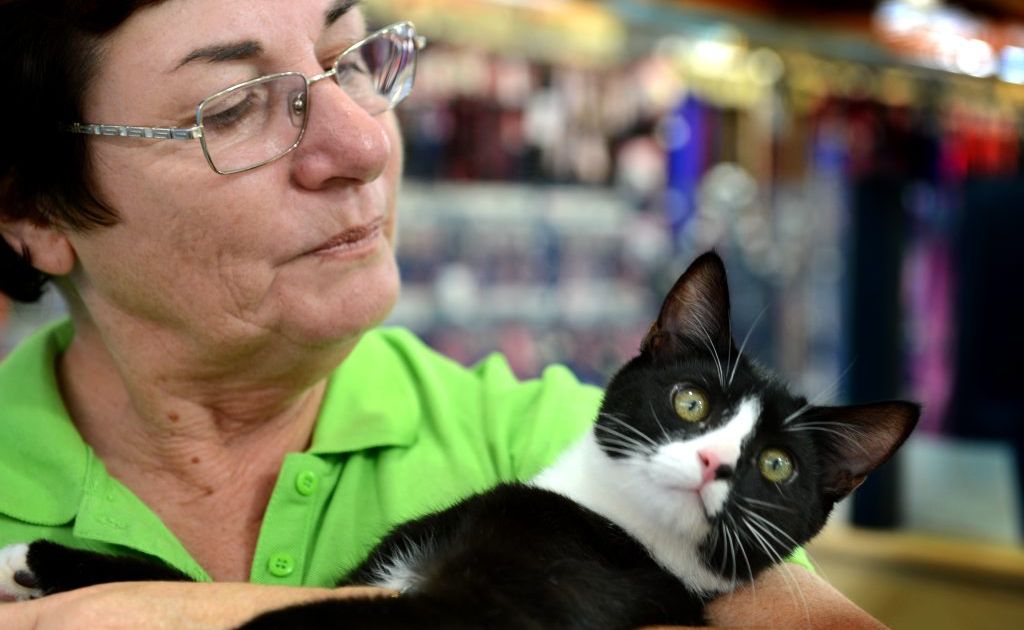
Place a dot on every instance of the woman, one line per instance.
(193, 408)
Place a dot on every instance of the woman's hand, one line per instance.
(162, 605)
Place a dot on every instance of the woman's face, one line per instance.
(236, 258)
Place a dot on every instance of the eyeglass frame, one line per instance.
(196, 132)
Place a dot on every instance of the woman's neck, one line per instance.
(205, 455)
(146, 418)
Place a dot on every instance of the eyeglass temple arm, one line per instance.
(159, 133)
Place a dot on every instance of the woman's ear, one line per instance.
(46, 246)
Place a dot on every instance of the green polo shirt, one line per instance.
(402, 431)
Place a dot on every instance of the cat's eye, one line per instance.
(776, 465)
(690, 403)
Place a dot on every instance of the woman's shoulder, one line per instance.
(42, 456)
(28, 376)
(397, 378)
(399, 353)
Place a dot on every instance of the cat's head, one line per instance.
(722, 452)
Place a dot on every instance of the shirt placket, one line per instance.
(289, 525)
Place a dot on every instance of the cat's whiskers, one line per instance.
(734, 545)
(628, 451)
(739, 542)
(758, 540)
(658, 421)
(739, 355)
(825, 393)
(728, 551)
(712, 542)
(766, 522)
(728, 351)
(619, 438)
(722, 527)
(772, 553)
(763, 518)
(627, 425)
(791, 584)
(849, 428)
(625, 451)
(763, 522)
(713, 350)
(793, 543)
(811, 426)
(766, 504)
(647, 464)
(796, 414)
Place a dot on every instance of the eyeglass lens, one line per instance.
(380, 74)
(252, 123)
(262, 120)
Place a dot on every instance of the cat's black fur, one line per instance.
(523, 557)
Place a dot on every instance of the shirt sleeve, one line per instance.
(530, 423)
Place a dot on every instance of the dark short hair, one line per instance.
(49, 51)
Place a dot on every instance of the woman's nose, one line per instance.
(342, 140)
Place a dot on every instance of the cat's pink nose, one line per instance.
(710, 461)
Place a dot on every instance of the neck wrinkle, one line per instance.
(145, 425)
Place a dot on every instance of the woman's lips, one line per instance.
(350, 240)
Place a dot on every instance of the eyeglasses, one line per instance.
(256, 122)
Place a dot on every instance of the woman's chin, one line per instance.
(342, 312)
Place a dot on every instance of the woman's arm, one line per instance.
(789, 596)
(162, 606)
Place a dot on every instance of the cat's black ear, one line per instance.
(695, 312)
(857, 439)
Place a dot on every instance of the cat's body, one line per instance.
(700, 472)
(516, 557)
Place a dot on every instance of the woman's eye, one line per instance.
(354, 76)
(231, 116)
(690, 403)
(351, 66)
(775, 465)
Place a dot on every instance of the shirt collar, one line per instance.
(371, 401)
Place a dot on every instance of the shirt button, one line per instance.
(281, 565)
(305, 483)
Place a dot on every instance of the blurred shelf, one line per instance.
(910, 581)
(585, 211)
(584, 305)
(1000, 564)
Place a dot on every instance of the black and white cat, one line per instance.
(701, 471)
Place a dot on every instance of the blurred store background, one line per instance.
(860, 165)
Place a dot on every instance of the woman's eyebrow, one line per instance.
(248, 49)
(337, 10)
(224, 52)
